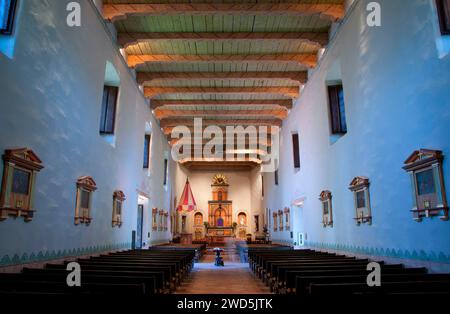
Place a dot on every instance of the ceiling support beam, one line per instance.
(308, 60)
(287, 103)
(292, 92)
(319, 39)
(221, 122)
(260, 142)
(168, 130)
(167, 113)
(331, 12)
(147, 77)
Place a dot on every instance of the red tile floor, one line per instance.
(234, 278)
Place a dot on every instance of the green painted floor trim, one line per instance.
(420, 255)
(48, 255)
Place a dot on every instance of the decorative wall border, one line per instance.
(49, 255)
(419, 255)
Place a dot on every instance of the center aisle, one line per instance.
(234, 278)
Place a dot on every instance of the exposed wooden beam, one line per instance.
(156, 103)
(222, 122)
(331, 12)
(319, 39)
(265, 143)
(168, 130)
(220, 166)
(147, 77)
(168, 113)
(292, 92)
(308, 60)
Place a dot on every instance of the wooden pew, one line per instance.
(303, 283)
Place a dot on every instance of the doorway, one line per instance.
(139, 228)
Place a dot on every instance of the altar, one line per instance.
(220, 212)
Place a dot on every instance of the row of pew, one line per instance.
(133, 272)
(312, 273)
(199, 248)
(244, 247)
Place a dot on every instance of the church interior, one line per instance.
(255, 147)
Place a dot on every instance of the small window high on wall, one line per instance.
(296, 150)
(109, 106)
(147, 142)
(166, 170)
(443, 8)
(337, 109)
(7, 12)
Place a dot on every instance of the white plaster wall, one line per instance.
(397, 100)
(51, 94)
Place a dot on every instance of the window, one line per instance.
(85, 188)
(109, 106)
(360, 188)
(147, 142)
(443, 8)
(118, 199)
(337, 109)
(327, 210)
(425, 169)
(7, 9)
(166, 171)
(296, 150)
(20, 169)
(262, 185)
(276, 177)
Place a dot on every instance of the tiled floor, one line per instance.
(234, 278)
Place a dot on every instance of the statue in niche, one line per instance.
(220, 221)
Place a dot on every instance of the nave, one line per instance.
(256, 270)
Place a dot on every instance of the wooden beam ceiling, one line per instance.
(168, 52)
(220, 166)
(292, 92)
(168, 130)
(319, 39)
(168, 113)
(148, 77)
(332, 12)
(287, 103)
(265, 143)
(221, 122)
(308, 60)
